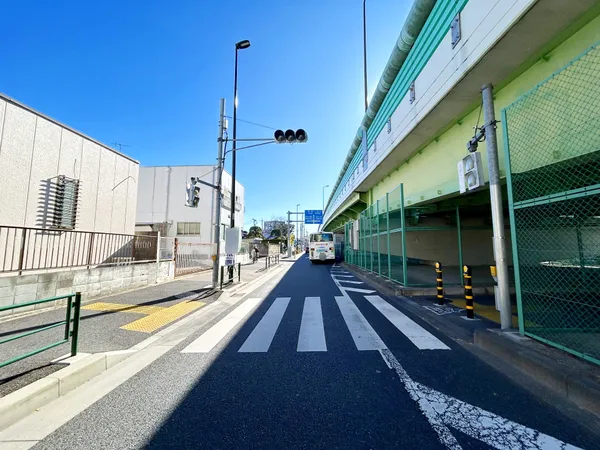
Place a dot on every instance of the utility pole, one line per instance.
(497, 209)
(217, 261)
(289, 237)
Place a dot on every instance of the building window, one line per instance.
(188, 228)
(65, 207)
(455, 28)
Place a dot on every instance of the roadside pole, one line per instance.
(497, 209)
(217, 256)
(289, 237)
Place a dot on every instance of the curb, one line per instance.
(21, 403)
(562, 373)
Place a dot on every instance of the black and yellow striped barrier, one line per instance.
(439, 283)
(468, 278)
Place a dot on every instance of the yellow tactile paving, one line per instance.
(159, 319)
(121, 307)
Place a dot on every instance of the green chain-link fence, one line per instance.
(552, 141)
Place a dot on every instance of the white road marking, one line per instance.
(363, 334)
(418, 335)
(218, 331)
(361, 291)
(343, 276)
(351, 281)
(261, 337)
(443, 411)
(312, 331)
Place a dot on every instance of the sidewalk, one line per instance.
(563, 374)
(112, 323)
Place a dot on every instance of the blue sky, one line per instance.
(150, 73)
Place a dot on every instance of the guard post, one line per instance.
(439, 283)
(468, 278)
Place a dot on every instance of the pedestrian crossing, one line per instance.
(312, 333)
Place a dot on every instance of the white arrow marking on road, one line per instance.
(361, 291)
(443, 411)
(351, 281)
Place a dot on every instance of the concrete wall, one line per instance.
(35, 150)
(91, 283)
(161, 198)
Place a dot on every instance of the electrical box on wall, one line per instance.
(470, 172)
(355, 230)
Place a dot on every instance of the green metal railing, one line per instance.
(383, 231)
(552, 146)
(71, 324)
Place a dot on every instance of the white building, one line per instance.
(52, 176)
(161, 202)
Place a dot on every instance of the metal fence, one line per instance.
(402, 242)
(552, 143)
(28, 249)
(191, 256)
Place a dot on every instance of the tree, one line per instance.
(279, 228)
(255, 232)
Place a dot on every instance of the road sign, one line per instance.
(230, 259)
(313, 216)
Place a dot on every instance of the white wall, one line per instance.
(35, 150)
(162, 194)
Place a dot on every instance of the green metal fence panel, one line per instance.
(552, 144)
(395, 211)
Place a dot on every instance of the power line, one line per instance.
(252, 123)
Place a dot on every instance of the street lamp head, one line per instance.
(242, 44)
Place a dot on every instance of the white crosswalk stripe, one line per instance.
(312, 333)
(418, 335)
(363, 334)
(343, 276)
(351, 281)
(261, 337)
(213, 335)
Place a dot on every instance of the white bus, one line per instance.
(320, 247)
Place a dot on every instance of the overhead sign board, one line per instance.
(313, 216)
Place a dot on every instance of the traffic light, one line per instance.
(290, 136)
(192, 194)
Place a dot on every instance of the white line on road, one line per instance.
(443, 411)
(312, 331)
(343, 276)
(365, 337)
(218, 331)
(351, 281)
(418, 335)
(261, 337)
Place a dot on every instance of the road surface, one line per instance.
(316, 359)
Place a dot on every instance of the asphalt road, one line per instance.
(302, 364)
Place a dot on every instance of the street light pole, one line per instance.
(365, 52)
(297, 224)
(238, 46)
(326, 186)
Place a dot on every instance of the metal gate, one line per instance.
(192, 256)
(552, 144)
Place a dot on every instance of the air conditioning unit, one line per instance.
(470, 172)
